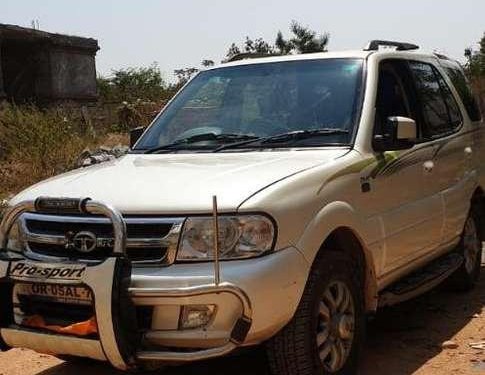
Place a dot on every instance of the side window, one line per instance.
(394, 96)
(454, 111)
(466, 95)
(440, 111)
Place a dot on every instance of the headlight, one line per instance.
(242, 236)
(15, 242)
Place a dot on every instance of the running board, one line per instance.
(421, 281)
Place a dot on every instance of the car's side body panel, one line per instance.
(409, 216)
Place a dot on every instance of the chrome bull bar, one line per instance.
(114, 355)
(66, 205)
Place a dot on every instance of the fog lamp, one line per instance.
(196, 316)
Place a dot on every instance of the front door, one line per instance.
(409, 202)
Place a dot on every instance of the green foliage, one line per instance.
(303, 40)
(36, 144)
(207, 63)
(130, 115)
(258, 46)
(282, 45)
(233, 51)
(183, 75)
(130, 84)
(476, 61)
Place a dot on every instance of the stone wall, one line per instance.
(41, 67)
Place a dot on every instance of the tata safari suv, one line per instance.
(274, 200)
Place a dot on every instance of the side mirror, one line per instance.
(399, 133)
(135, 135)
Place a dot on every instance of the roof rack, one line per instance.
(250, 55)
(400, 46)
(441, 56)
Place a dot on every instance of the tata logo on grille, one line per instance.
(84, 242)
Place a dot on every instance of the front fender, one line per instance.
(369, 232)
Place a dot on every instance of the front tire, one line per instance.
(327, 332)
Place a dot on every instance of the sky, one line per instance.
(181, 33)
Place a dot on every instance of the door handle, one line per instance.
(428, 166)
(468, 151)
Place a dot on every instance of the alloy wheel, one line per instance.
(335, 329)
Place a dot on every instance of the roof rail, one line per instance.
(250, 55)
(400, 46)
(441, 56)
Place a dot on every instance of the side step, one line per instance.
(421, 281)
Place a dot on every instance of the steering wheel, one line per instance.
(265, 127)
(200, 130)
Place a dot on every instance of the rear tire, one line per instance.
(465, 277)
(327, 331)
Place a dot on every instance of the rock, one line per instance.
(449, 345)
(4, 205)
(477, 345)
(100, 155)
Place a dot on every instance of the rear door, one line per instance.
(453, 147)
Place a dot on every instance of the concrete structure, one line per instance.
(41, 67)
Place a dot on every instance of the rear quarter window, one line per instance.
(438, 106)
(461, 85)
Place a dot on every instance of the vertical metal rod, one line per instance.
(217, 276)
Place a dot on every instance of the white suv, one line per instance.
(335, 183)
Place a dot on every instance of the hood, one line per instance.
(180, 183)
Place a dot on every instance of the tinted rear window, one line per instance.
(434, 105)
(466, 95)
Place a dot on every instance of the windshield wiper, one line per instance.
(182, 143)
(284, 137)
(303, 134)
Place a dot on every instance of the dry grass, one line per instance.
(37, 144)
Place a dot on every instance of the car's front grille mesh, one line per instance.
(143, 230)
(149, 239)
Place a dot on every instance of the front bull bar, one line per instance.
(116, 352)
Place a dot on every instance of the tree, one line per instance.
(476, 61)
(303, 40)
(282, 46)
(184, 75)
(258, 46)
(130, 84)
(207, 63)
(232, 51)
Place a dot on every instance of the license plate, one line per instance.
(56, 293)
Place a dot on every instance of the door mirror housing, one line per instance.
(399, 133)
(135, 135)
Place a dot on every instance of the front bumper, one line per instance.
(254, 299)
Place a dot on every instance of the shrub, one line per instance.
(130, 84)
(35, 144)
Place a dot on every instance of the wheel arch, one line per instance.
(346, 240)
(338, 227)
(478, 203)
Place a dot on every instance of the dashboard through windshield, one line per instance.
(258, 101)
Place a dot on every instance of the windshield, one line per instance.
(262, 100)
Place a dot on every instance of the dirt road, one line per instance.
(402, 340)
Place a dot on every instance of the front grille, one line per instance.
(149, 239)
